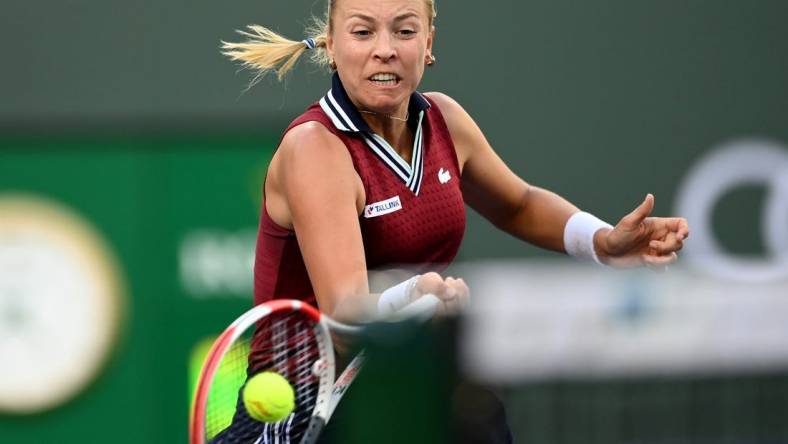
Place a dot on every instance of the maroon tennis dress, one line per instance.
(414, 214)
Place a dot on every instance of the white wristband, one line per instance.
(579, 235)
(397, 297)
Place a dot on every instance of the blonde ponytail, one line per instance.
(265, 51)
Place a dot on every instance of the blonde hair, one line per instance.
(265, 51)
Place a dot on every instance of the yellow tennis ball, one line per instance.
(268, 397)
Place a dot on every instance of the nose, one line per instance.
(384, 48)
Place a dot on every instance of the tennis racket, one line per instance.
(293, 339)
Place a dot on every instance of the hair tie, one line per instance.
(310, 43)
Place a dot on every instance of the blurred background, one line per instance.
(131, 163)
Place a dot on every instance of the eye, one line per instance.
(407, 32)
(362, 33)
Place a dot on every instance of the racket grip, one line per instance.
(421, 310)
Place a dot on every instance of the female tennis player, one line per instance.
(377, 175)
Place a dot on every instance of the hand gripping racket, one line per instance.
(293, 339)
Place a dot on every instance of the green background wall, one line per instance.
(127, 113)
(145, 195)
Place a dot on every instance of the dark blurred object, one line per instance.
(410, 392)
(739, 409)
(478, 416)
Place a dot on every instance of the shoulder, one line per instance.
(443, 100)
(465, 134)
(447, 105)
(311, 165)
(311, 142)
(310, 156)
(457, 119)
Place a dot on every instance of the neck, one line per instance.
(376, 120)
(394, 131)
(385, 125)
(393, 128)
(387, 116)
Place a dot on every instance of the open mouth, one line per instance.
(385, 79)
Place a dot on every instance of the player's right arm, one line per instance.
(313, 189)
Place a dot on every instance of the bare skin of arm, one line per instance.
(313, 189)
(538, 216)
(527, 212)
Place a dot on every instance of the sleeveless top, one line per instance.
(414, 214)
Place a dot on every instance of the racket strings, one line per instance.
(295, 350)
(287, 344)
(223, 394)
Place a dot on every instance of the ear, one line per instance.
(330, 45)
(430, 39)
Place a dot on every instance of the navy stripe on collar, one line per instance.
(346, 117)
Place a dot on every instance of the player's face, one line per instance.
(380, 47)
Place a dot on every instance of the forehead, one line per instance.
(379, 9)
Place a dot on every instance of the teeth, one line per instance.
(383, 78)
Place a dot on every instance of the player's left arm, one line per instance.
(539, 216)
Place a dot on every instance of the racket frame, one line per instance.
(325, 371)
(330, 392)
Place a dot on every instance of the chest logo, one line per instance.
(444, 176)
(383, 207)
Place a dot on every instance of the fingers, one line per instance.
(670, 244)
(451, 299)
(639, 214)
(677, 225)
(458, 294)
(453, 293)
(670, 234)
(450, 302)
(430, 283)
(682, 229)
